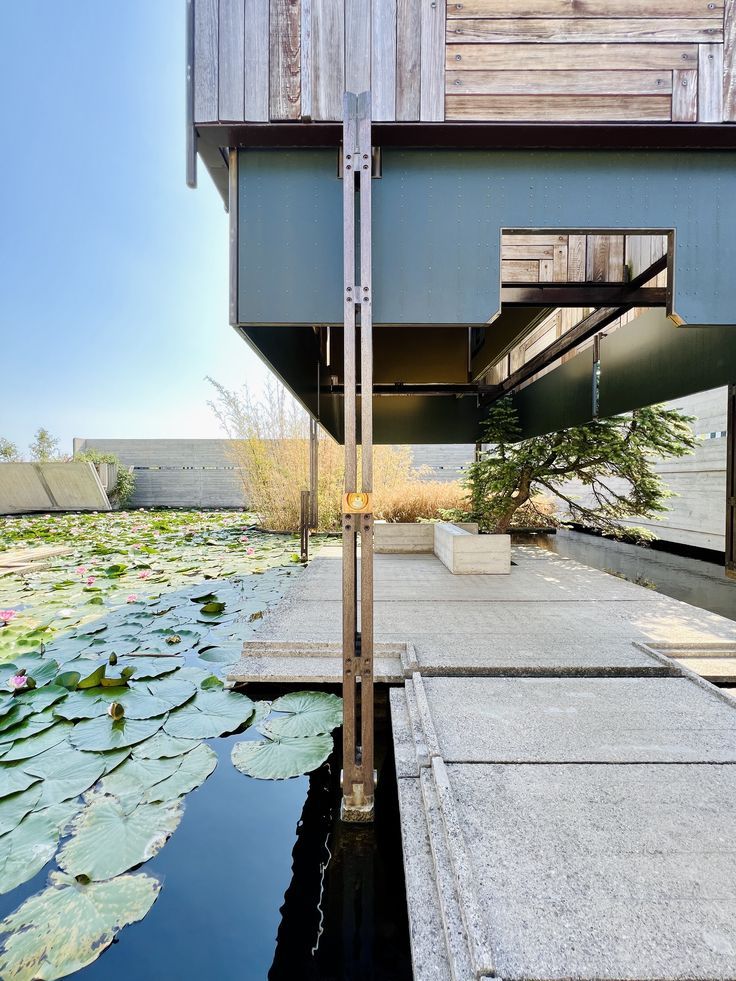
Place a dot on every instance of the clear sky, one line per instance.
(113, 274)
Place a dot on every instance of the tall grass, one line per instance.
(270, 447)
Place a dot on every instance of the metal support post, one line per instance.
(313, 473)
(731, 485)
(358, 778)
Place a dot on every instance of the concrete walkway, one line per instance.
(568, 799)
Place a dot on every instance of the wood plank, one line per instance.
(256, 100)
(576, 258)
(206, 61)
(357, 46)
(517, 271)
(710, 83)
(527, 251)
(554, 57)
(432, 93)
(585, 29)
(605, 259)
(684, 96)
(328, 59)
(729, 63)
(546, 270)
(559, 108)
(559, 264)
(583, 8)
(231, 44)
(408, 44)
(305, 60)
(285, 60)
(560, 82)
(383, 60)
(535, 239)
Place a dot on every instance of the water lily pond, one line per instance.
(153, 821)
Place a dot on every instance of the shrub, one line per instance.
(122, 492)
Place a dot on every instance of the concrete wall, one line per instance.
(50, 487)
(697, 515)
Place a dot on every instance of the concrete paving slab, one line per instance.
(602, 720)
(603, 871)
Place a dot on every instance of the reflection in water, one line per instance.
(700, 583)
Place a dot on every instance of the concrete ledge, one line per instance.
(73, 486)
(466, 554)
(402, 538)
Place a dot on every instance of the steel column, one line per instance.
(731, 485)
(313, 473)
(358, 776)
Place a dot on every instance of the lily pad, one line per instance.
(68, 925)
(25, 749)
(162, 745)
(15, 781)
(209, 714)
(279, 759)
(107, 840)
(66, 773)
(309, 714)
(98, 735)
(130, 781)
(194, 769)
(151, 667)
(31, 725)
(27, 848)
(18, 713)
(13, 809)
(174, 691)
(41, 698)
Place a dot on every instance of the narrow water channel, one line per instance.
(693, 580)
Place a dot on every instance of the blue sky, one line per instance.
(113, 274)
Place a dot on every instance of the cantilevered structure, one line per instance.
(550, 213)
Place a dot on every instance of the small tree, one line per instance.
(612, 458)
(9, 452)
(44, 447)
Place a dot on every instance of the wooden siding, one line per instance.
(466, 60)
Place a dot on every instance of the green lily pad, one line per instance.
(68, 925)
(162, 745)
(130, 781)
(98, 735)
(41, 698)
(210, 682)
(279, 759)
(152, 667)
(15, 781)
(66, 773)
(93, 703)
(209, 714)
(19, 712)
(174, 691)
(193, 770)
(34, 745)
(14, 808)
(216, 655)
(27, 848)
(309, 714)
(31, 725)
(107, 840)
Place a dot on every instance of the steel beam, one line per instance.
(358, 778)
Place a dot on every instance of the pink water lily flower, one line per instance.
(243, 538)
(250, 551)
(132, 598)
(144, 574)
(7, 615)
(91, 580)
(17, 682)
(82, 570)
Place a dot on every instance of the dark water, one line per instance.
(695, 581)
(261, 880)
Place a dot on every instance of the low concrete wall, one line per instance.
(465, 553)
(51, 487)
(401, 538)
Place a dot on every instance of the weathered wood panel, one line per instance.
(516, 271)
(576, 258)
(605, 259)
(357, 45)
(559, 108)
(729, 63)
(328, 58)
(710, 83)
(231, 46)
(585, 8)
(432, 94)
(408, 59)
(383, 59)
(554, 57)
(559, 82)
(305, 60)
(256, 99)
(206, 61)
(285, 60)
(586, 29)
(684, 96)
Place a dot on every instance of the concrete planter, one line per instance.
(457, 546)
